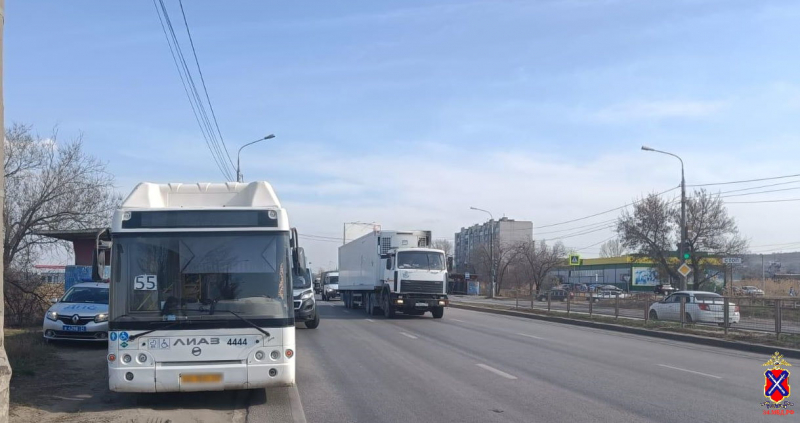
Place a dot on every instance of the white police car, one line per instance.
(81, 314)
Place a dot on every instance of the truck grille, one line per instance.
(425, 287)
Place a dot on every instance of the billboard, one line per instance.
(645, 276)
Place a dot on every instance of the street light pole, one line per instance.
(682, 245)
(239, 177)
(491, 248)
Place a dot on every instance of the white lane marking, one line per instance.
(370, 320)
(529, 336)
(408, 335)
(690, 371)
(495, 371)
(457, 320)
(346, 311)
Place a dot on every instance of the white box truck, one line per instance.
(393, 271)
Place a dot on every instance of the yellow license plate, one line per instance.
(202, 378)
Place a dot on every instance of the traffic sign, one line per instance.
(731, 260)
(574, 260)
(684, 270)
(466, 275)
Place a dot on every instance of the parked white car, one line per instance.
(703, 307)
(81, 314)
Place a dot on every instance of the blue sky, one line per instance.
(408, 112)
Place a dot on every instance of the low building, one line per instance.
(627, 272)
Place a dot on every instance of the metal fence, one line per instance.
(776, 315)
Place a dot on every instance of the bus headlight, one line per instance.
(142, 358)
(126, 358)
(275, 354)
(259, 355)
(52, 315)
(102, 317)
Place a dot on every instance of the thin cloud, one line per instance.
(656, 110)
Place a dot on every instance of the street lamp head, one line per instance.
(646, 148)
(269, 137)
(472, 208)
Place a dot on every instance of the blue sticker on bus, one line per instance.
(123, 336)
(112, 336)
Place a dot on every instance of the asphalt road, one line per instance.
(478, 367)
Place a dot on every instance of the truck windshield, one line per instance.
(423, 260)
(332, 280)
(189, 276)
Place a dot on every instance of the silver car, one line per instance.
(81, 314)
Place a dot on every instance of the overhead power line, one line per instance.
(760, 192)
(190, 88)
(745, 181)
(596, 243)
(763, 201)
(203, 81)
(600, 213)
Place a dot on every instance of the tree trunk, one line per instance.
(5, 366)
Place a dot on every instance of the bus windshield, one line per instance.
(202, 276)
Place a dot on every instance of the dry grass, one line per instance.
(28, 352)
(772, 288)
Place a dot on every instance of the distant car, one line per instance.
(665, 289)
(81, 314)
(607, 295)
(752, 290)
(330, 286)
(555, 295)
(701, 306)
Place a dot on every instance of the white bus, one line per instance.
(201, 289)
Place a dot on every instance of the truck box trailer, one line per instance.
(393, 271)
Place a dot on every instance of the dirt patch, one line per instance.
(68, 382)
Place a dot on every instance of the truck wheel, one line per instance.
(437, 312)
(388, 311)
(313, 324)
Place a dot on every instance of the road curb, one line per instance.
(695, 339)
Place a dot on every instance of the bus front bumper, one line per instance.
(188, 376)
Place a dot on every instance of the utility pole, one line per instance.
(5, 366)
(239, 176)
(682, 256)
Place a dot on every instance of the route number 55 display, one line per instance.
(145, 283)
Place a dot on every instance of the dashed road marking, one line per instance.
(495, 371)
(690, 371)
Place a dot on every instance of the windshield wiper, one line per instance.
(248, 322)
(132, 337)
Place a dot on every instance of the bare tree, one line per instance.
(540, 259)
(612, 248)
(48, 186)
(648, 231)
(505, 256)
(653, 231)
(444, 245)
(710, 231)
